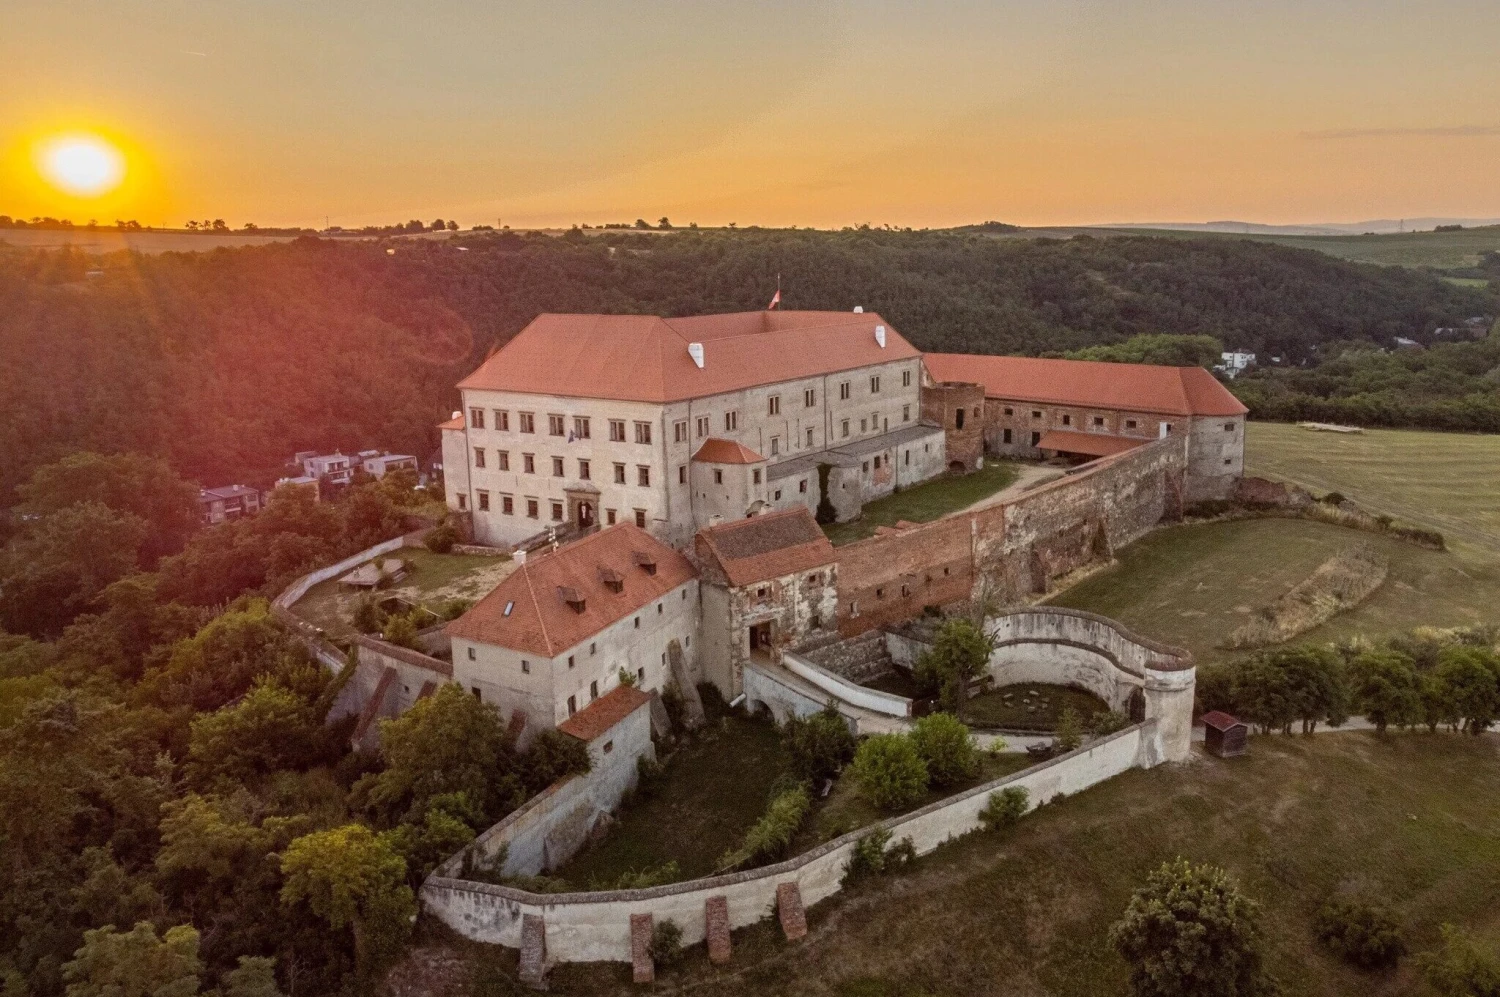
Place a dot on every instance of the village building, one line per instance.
(377, 463)
(674, 424)
(1038, 408)
(215, 505)
(568, 626)
(767, 583)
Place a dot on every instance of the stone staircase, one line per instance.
(859, 659)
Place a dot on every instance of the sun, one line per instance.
(82, 165)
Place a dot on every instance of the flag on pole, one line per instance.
(775, 300)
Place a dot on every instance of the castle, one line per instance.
(664, 476)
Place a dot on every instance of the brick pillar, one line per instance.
(716, 918)
(643, 970)
(789, 910)
(533, 951)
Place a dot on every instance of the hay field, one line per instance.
(1445, 481)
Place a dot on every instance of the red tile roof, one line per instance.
(645, 358)
(596, 719)
(1090, 383)
(1219, 720)
(717, 451)
(457, 422)
(541, 621)
(774, 545)
(1091, 444)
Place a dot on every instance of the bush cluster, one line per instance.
(1361, 933)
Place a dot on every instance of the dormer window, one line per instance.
(646, 562)
(574, 598)
(612, 579)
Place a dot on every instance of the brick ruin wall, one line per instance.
(1009, 554)
(941, 405)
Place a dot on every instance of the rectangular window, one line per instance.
(809, 436)
(643, 476)
(802, 486)
(1228, 427)
(682, 474)
(525, 666)
(583, 470)
(679, 431)
(718, 476)
(555, 425)
(906, 458)
(528, 463)
(906, 413)
(906, 379)
(755, 474)
(617, 430)
(643, 432)
(502, 420)
(593, 690)
(484, 501)
(809, 398)
(775, 445)
(844, 391)
(463, 502)
(570, 661)
(581, 427)
(874, 384)
(1067, 420)
(1035, 437)
(471, 654)
(640, 520)
(702, 426)
(1007, 436)
(862, 425)
(773, 405)
(557, 467)
(479, 456)
(1036, 413)
(504, 459)
(777, 496)
(507, 505)
(531, 509)
(1129, 423)
(609, 517)
(1010, 411)
(476, 418)
(528, 421)
(557, 510)
(619, 474)
(572, 705)
(844, 428)
(731, 421)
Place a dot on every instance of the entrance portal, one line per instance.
(585, 515)
(760, 638)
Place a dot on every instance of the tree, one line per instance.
(820, 744)
(1157, 348)
(551, 756)
(1069, 729)
(1316, 684)
(1386, 689)
(1471, 676)
(1461, 968)
(135, 963)
(448, 742)
(59, 563)
(254, 977)
(1361, 933)
(271, 728)
(1190, 932)
(665, 223)
(1265, 694)
(449, 824)
(889, 772)
(946, 747)
(350, 877)
(223, 659)
(960, 652)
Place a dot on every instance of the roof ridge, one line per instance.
(536, 606)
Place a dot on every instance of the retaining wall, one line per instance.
(844, 690)
(591, 927)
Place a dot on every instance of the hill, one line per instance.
(228, 361)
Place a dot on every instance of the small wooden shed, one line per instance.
(1223, 735)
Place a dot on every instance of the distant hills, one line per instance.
(1378, 226)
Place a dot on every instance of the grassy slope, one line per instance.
(1191, 585)
(1449, 481)
(926, 502)
(1413, 818)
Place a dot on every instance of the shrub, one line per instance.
(551, 756)
(714, 705)
(946, 747)
(400, 630)
(626, 677)
(441, 538)
(1005, 808)
(1461, 968)
(769, 836)
(667, 872)
(868, 856)
(1332, 498)
(890, 773)
(666, 943)
(1189, 932)
(1361, 933)
(1108, 722)
(820, 745)
(1069, 729)
(959, 653)
(454, 608)
(367, 617)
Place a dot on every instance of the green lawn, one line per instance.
(1030, 706)
(433, 580)
(1411, 819)
(927, 501)
(715, 787)
(1191, 585)
(1448, 481)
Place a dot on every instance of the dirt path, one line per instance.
(1029, 477)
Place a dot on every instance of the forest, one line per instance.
(224, 363)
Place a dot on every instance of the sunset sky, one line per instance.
(824, 114)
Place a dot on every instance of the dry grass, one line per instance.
(1339, 584)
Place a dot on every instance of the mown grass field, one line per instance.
(1411, 819)
(434, 579)
(1447, 481)
(1442, 250)
(927, 501)
(1192, 585)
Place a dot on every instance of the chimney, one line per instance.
(859, 309)
(695, 350)
(455, 415)
(880, 335)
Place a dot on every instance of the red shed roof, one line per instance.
(645, 358)
(717, 451)
(1091, 444)
(596, 719)
(1219, 720)
(764, 547)
(1127, 387)
(457, 422)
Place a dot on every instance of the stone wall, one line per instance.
(959, 409)
(589, 927)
